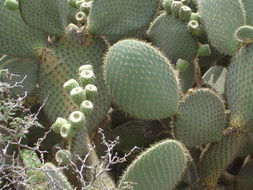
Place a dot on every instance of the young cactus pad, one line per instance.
(159, 167)
(201, 119)
(239, 87)
(141, 80)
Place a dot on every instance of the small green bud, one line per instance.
(244, 34)
(175, 7)
(204, 50)
(85, 7)
(77, 95)
(85, 67)
(194, 27)
(182, 65)
(70, 84)
(72, 3)
(167, 6)
(86, 77)
(81, 17)
(195, 16)
(11, 4)
(90, 91)
(86, 107)
(56, 127)
(77, 119)
(63, 157)
(185, 13)
(67, 131)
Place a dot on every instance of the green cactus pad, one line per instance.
(17, 38)
(244, 178)
(171, 36)
(141, 80)
(215, 78)
(55, 178)
(219, 25)
(201, 119)
(26, 70)
(217, 158)
(187, 77)
(159, 167)
(117, 17)
(49, 16)
(240, 89)
(60, 63)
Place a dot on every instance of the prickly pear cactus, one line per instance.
(238, 85)
(168, 156)
(166, 31)
(201, 118)
(130, 71)
(144, 71)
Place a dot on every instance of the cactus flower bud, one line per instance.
(77, 95)
(11, 4)
(175, 7)
(63, 157)
(86, 77)
(185, 13)
(86, 107)
(70, 84)
(77, 119)
(56, 127)
(204, 50)
(90, 91)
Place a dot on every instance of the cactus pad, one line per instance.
(201, 119)
(159, 167)
(239, 87)
(141, 80)
(219, 25)
(50, 15)
(117, 17)
(60, 63)
(187, 78)
(17, 38)
(173, 38)
(217, 158)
